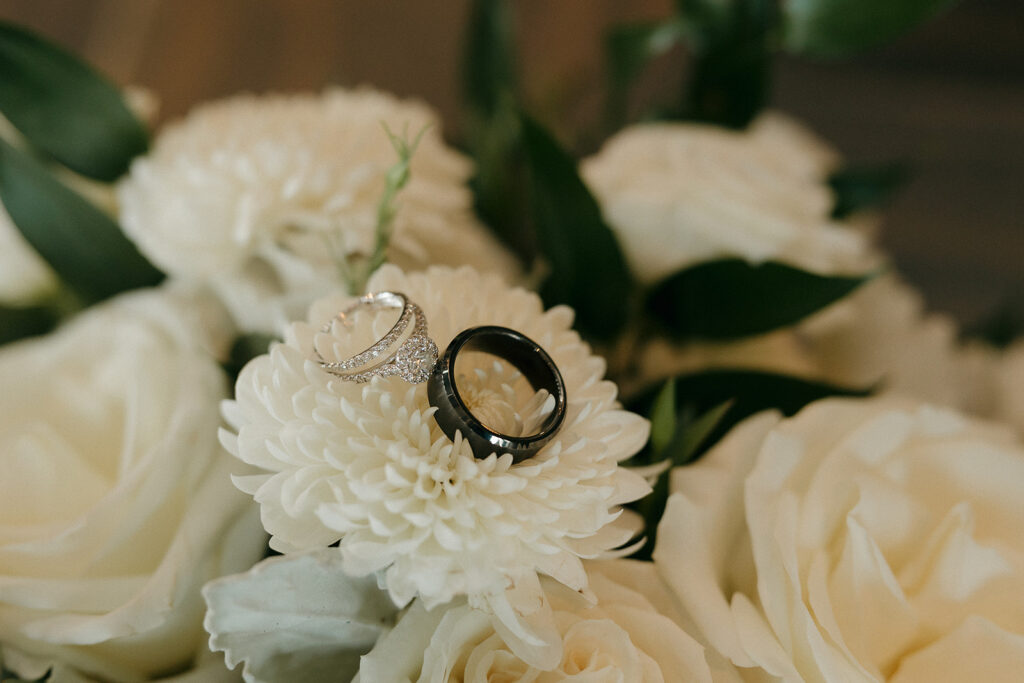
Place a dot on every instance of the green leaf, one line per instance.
(488, 67)
(732, 298)
(65, 108)
(489, 93)
(754, 391)
(731, 71)
(750, 391)
(244, 349)
(1003, 326)
(684, 443)
(81, 243)
(8, 676)
(706, 20)
(20, 322)
(500, 185)
(835, 28)
(865, 187)
(588, 271)
(628, 49)
(663, 417)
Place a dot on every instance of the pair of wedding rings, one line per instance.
(415, 359)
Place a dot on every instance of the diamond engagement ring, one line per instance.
(413, 360)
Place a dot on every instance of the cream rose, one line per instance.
(116, 502)
(862, 540)
(623, 638)
(680, 194)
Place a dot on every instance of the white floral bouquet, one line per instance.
(715, 438)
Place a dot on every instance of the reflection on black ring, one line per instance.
(530, 359)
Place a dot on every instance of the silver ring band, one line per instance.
(413, 360)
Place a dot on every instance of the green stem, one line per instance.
(397, 178)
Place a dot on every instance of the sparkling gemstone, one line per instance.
(416, 359)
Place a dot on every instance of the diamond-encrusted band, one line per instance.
(413, 360)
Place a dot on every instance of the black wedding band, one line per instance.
(531, 360)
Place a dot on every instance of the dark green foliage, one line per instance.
(64, 108)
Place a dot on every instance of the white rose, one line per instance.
(261, 197)
(678, 194)
(116, 503)
(623, 638)
(862, 540)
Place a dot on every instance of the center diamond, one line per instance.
(416, 359)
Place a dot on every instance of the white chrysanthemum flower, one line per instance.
(679, 194)
(260, 196)
(366, 464)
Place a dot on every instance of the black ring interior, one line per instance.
(527, 357)
(522, 352)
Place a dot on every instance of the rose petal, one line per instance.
(977, 650)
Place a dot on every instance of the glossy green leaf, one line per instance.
(1003, 326)
(753, 391)
(20, 322)
(488, 68)
(731, 298)
(731, 70)
(749, 391)
(587, 269)
(663, 417)
(81, 243)
(835, 28)
(682, 447)
(721, 398)
(489, 93)
(64, 108)
(709, 20)
(865, 187)
(686, 442)
(500, 185)
(244, 349)
(8, 676)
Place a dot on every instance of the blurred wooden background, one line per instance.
(949, 98)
